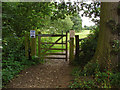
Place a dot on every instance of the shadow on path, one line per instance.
(52, 74)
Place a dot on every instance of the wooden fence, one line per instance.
(77, 49)
(51, 45)
(30, 47)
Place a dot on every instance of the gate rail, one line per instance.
(50, 47)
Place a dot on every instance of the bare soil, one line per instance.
(52, 74)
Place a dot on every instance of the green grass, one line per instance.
(82, 34)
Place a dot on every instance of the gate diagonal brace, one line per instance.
(53, 44)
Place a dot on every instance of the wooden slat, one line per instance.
(62, 40)
(51, 35)
(54, 57)
(77, 46)
(56, 41)
(66, 46)
(53, 49)
(51, 43)
(55, 54)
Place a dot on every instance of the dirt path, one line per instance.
(53, 74)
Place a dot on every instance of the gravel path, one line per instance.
(52, 74)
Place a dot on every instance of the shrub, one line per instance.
(115, 79)
(105, 79)
(88, 47)
(83, 84)
(13, 58)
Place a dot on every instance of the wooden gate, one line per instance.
(45, 54)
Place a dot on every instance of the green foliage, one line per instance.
(77, 22)
(115, 79)
(18, 17)
(88, 47)
(89, 27)
(83, 84)
(105, 79)
(108, 79)
(13, 58)
(89, 69)
(91, 10)
(36, 60)
(64, 8)
(81, 80)
(13, 48)
(61, 25)
(76, 71)
(98, 79)
(10, 68)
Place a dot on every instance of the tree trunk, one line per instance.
(119, 38)
(103, 51)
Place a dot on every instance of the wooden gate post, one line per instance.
(77, 46)
(33, 46)
(71, 53)
(66, 46)
(26, 44)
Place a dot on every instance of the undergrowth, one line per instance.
(87, 48)
(88, 74)
(13, 58)
(98, 79)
